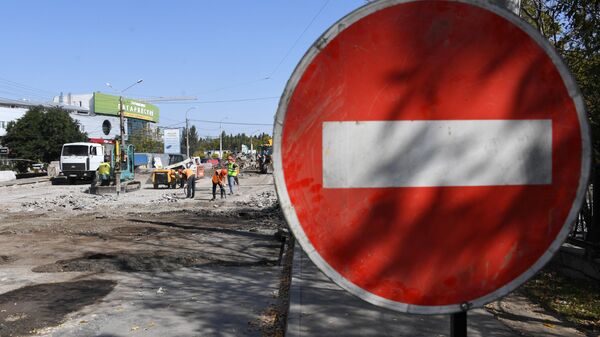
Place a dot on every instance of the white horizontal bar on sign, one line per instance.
(372, 154)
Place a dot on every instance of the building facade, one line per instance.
(81, 109)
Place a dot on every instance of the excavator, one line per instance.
(265, 157)
(123, 156)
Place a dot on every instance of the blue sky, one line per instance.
(214, 50)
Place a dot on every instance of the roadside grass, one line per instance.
(576, 300)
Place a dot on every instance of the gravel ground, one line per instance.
(148, 262)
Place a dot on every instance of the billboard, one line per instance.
(105, 104)
(172, 141)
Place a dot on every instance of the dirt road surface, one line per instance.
(146, 263)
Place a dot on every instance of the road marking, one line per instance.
(373, 154)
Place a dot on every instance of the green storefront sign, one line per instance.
(109, 105)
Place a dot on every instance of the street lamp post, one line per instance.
(187, 132)
(120, 146)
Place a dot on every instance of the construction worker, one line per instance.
(218, 179)
(191, 181)
(104, 172)
(172, 178)
(180, 177)
(232, 171)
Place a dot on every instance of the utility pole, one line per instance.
(187, 132)
(187, 137)
(120, 145)
(221, 138)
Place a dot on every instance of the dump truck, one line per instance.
(80, 160)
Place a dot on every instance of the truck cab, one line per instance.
(81, 160)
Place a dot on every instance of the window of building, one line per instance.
(106, 127)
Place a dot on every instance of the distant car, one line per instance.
(38, 167)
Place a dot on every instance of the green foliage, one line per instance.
(40, 134)
(572, 28)
(215, 156)
(231, 143)
(146, 141)
(577, 300)
(194, 140)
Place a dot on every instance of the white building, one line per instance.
(80, 106)
(96, 126)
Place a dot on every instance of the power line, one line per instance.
(230, 123)
(233, 85)
(171, 119)
(298, 39)
(172, 125)
(224, 101)
(25, 86)
(16, 93)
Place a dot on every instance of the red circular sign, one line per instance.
(431, 155)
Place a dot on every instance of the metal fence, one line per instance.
(586, 229)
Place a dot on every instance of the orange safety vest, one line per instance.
(219, 176)
(188, 172)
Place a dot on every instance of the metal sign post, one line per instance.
(458, 324)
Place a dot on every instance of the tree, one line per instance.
(41, 132)
(571, 26)
(194, 140)
(145, 140)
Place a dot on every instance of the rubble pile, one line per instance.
(166, 198)
(265, 199)
(69, 201)
(247, 162)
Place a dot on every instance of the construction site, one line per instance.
(323, 168)
(80, 264)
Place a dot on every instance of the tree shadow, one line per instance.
(445, 244)
(43, 305)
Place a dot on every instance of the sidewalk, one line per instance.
(318, 307)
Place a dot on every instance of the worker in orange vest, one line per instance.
(191, 181)
(218, 179)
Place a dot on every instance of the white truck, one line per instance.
(81, 160)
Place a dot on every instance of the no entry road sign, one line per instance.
(431, 155)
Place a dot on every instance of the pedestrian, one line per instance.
(191, 181)
(232, 171)
(218, 179)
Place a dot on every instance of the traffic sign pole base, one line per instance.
(458, 324)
